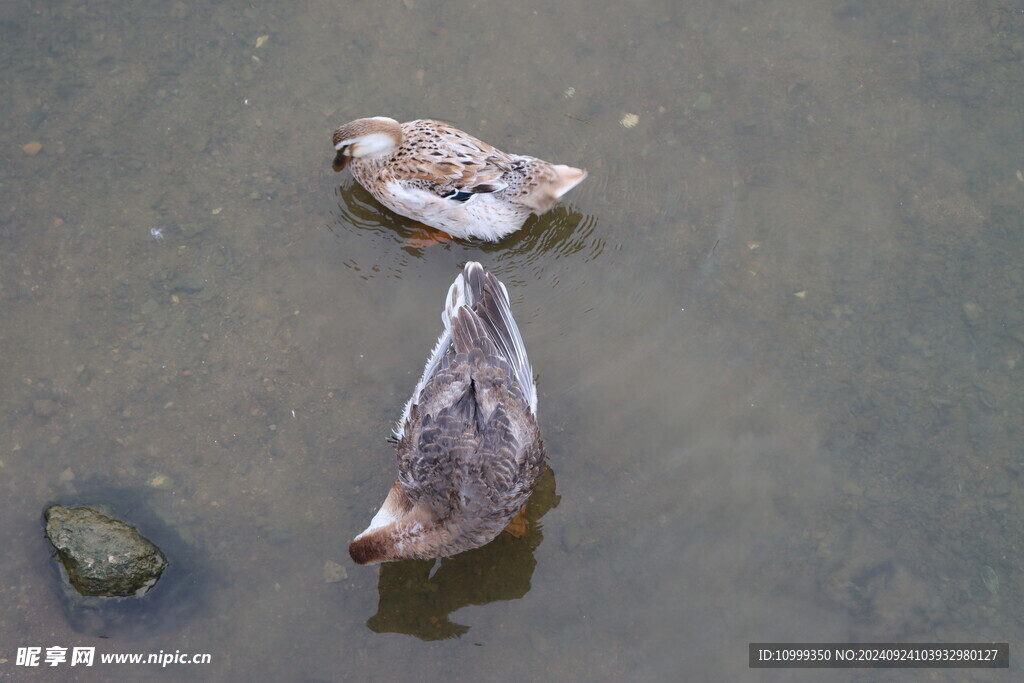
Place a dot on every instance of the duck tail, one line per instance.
(568, 177)
(551, 181)
(486, 296)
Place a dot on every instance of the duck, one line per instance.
(434, 173)
(468, 443)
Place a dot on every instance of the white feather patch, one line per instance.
(368, 145)
(389, 512)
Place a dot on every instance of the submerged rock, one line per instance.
(102, 556)
(44, 408)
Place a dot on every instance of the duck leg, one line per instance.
(517, 526)
(425, 236)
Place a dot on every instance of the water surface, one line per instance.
(778, 331)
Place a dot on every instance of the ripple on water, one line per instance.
(383, 248)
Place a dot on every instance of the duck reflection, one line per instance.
(417, 597)
(357, 209)
(563, 230)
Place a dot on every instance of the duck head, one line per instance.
(376, 136)
(399, 531)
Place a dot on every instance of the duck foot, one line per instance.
(424, 236)
(517, 527)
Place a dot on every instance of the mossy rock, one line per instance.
(103, 556)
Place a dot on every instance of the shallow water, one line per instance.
(778, 331)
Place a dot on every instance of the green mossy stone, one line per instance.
(102, 556)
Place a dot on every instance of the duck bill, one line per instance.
(340, 160)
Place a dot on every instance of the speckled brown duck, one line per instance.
(469, 447)
(434, 173)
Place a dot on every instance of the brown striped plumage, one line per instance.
(469, 447)
(432, 172)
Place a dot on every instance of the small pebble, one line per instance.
(572, 535)
(190, 230)
(32, 148)
(158, 480)
(539, 642)
(997, 487)
(149, 307)
(990, 579)
(186, 284)
(44, 407)
(334, 572)
(972, 312)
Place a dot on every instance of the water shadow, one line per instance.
(416, 598)
(170, 606)
(562, 231)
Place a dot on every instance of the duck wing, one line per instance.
(483, 294)
(506, 452)
(469, 432)
(442, 159)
